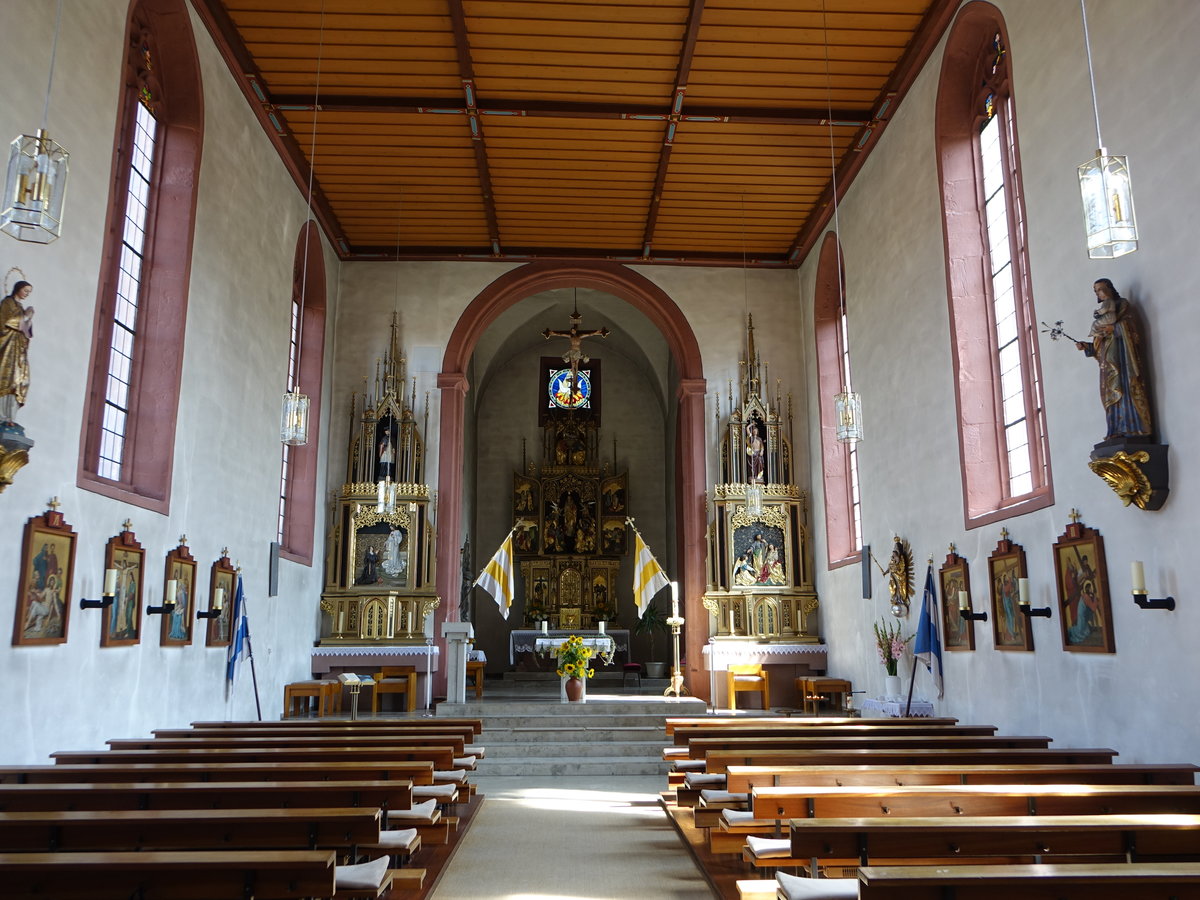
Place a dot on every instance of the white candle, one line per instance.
(602, 626)
(110, 582)
(342, 623)
(1138, 572)
(964, 602)
(379, 498)
(731, 620)
(219, 599)
(1023, 591)
(172, 589)
(545, 626)
(675, 599)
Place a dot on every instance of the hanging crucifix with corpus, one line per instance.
(574, 357)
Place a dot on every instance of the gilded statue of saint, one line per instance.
(16, 329)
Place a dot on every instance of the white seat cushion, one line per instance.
(735, 816)
(689, 765)
(703, 779)
(456, 775)
(770, 848)
(422, 811)
(795, 888)
(475, 750)
(464, 762)
(442, 792)
(397, 839)
(669, 752)
(366, 876)
(747, 679)
(723, 797)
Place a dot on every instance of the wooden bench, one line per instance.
(673, 723)
(1148, 837)
(187, 829)
(700, 747)
(789, 728)
(222, 875)
(744, 778)
(434, 722)
(333, 742)
(418, 772)
(296, 697)
(1094, 881)
(475, 675)
(719, 761)
(813, 690)
(440, 754)
(394, 728)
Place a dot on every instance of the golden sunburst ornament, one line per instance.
(900, 577)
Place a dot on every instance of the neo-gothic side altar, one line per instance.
(760, 573)
(379, 568)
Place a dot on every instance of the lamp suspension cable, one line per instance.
(847, 403)
(1087, 46)
(50, 78)
(294, 430)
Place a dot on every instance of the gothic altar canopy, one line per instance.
(760, 580)
(379, 571)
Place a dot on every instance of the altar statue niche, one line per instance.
(379, 574)
(759, 554)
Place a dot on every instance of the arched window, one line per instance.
(306, 355)
(133, 391)
(1002, 422)
(843, 518)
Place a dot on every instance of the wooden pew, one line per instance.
(174, 875)
(699, 748)
(432, 722)
(416, 772)
(391, 730)
(719, 761)
(334, 742)
(441, 755)
(71, 831)
(763, 721)
(207, 795)
(1149, 837)
(682, 735)
(1094, 881)
(743, 778)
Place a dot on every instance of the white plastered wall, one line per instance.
(227, 452)
(899, 338)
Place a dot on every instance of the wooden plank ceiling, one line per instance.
(674, 131)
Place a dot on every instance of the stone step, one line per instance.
(611, 708)
(643, 724)
(555, 734)
(598, 747)
(598, 765)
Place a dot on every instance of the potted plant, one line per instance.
(648, 624)
(573, 663)
(890, 645)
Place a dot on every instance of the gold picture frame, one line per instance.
(44, 589)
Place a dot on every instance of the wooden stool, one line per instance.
(475, 673)
(297, 694)
(811, 690)
(395, 680)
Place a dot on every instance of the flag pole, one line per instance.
(250, 655)
(912, 679)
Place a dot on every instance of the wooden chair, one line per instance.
(475, 675)
(395, 680)
(748, 677)
(296, 697)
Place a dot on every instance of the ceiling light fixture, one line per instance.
(293, 427)
(1104, 184)
(36, 185)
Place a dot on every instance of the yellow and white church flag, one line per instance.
(648, 576)
(497, 576)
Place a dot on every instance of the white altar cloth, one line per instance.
(525, 640)
(722, 653)
(362, 656)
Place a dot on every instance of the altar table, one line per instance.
(895, 708)
(526, 640)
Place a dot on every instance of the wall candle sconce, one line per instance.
(964, 609)
(110, 592)
(218, 604)
(1023, 601)
(168, 604)
(1141, 595)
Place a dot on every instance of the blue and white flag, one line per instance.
(928, 647)
(239, 647)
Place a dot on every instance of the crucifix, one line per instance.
(574, 357)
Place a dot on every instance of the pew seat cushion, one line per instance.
(443, 792)
(689, 765)
(704, 780)
(675, 752)
(794, 887)
(422, 812)
(737, 816)
(366, 876)
(717, 798)
(475, 750)
(458, 776)
(397, 839)
(770, 848)
(464, 762)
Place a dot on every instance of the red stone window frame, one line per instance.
(968, 60)
(298, 473)
(837, 462)
(158, 31)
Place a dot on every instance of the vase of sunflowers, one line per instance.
(573, 664)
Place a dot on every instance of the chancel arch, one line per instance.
(687, 415)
